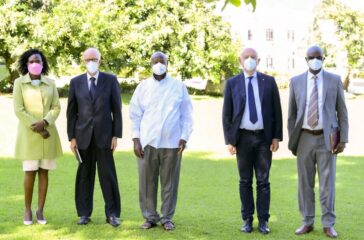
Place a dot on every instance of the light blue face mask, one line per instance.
(36, 82)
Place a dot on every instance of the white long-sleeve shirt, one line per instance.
(161, 113)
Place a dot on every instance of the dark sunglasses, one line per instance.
(318, 57)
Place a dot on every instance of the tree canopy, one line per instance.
(349, 25)
(197, 41)
(237, 3)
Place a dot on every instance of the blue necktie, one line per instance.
(252, 109)
(92, 87)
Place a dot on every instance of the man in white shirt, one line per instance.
(161, 116)
(316, 113)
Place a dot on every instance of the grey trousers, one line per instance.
(166, 164)
(311, 155)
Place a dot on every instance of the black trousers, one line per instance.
(85, 181)
(253, 154)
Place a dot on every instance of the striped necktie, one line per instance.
(313, 111)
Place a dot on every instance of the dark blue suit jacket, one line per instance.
(101, 116)
(234, 104)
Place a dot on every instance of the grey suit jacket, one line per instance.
(335, 115)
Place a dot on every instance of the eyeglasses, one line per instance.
(91, 59)
(318, 57)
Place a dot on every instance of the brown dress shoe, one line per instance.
(330, 232)
(304, 229)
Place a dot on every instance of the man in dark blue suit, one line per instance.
(252, 122)
(94, 123)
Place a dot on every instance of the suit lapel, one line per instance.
(325, 86)
(260, 86)
(303, 86)
(241, 85)
(100, 85)
(84, 86)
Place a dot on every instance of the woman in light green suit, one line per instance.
(36, 104)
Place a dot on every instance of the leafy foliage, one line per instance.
(237, 3)
(126, 32)
(350, 31)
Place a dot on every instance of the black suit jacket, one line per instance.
(234, 104)
(101, 116)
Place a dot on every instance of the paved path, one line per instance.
(207, 134)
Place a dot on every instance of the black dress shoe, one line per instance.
(113, 221)
(83, 220)
(263, 227)
(247, 226)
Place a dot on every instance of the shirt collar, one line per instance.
(96, 76)
(246, 75)
(162, 80)
(319, 75)
(26, 79)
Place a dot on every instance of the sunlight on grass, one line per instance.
(208, 204)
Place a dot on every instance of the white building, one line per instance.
(279, 30)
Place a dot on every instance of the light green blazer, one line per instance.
(32, 104)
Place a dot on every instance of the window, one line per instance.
(290, 35)
(269, 34)
(250, 35)
(291, 63)
(269, 61)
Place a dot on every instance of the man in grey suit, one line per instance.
(316, 111)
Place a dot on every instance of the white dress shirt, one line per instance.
(161, 113)
(89, 81)
(310, 85)
(245, 121)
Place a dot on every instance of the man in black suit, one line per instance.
(94, 123)
(252, 122)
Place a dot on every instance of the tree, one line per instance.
(126, 32)
(19, 29)
(237, 3)
(350, 31)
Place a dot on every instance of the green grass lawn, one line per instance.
(208, 204)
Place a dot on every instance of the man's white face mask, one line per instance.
(250, 64)
(159, 69)
(315, 64)
(92, 67)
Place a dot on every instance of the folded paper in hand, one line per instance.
(78, 156)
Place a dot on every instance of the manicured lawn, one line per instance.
(208, 203)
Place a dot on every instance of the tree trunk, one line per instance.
(347, 80)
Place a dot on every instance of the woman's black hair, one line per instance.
(23, 60)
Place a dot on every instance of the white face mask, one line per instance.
(92, 67)
(35, 82)
(250, 64)
(315, 64)
(159, 69)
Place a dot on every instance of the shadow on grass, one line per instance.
(208, 203)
